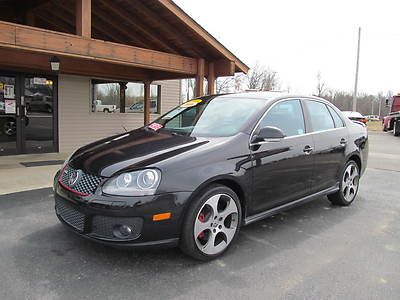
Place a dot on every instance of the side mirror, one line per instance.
(270, 134)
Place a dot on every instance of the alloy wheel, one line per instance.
(216, 224)
(350, 182)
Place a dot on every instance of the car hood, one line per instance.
(132, 150)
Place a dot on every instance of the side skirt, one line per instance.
(286, 206)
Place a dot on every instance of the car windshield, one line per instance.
(217, 117)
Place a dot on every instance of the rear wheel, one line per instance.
(212, 223)
(348, 186)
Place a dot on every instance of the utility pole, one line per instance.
(357, 65)
(372, 102)
(379, 110)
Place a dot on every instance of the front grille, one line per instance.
(103, 226)
(70, 215)
(85, 184)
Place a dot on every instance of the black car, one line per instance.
(195, 175)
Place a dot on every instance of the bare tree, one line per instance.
(263, 79)
(321, 88)
(224, 84)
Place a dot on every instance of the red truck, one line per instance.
(392, 121)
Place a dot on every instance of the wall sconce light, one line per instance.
(55, 63)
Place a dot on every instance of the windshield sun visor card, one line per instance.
(191, 103)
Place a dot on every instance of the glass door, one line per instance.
(8, 115)
(38, 104)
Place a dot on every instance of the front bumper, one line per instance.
(96, 216)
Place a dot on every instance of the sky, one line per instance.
(299, 39)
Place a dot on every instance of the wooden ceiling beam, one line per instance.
(126, 18)
(105, 19)
(202, 33)
(83, 18)
(166, 28)
(53, 23)
(55, 43)
(31, 61)
(66, 14)
(224, 67)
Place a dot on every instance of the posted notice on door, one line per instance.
(10, 106)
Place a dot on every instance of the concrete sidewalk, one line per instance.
(14, 177)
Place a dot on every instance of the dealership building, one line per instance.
(74, 71)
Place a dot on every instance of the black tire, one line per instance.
(396, 128)
(106, 110)
(338, 198)
(187, 243)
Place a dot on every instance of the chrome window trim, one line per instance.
(293, 136)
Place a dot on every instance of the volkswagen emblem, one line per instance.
(74, 177)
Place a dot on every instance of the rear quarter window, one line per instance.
(320, 116)
(336, 118)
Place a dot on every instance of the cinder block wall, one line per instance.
(78, 125)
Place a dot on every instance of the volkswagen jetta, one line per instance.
(197, 174)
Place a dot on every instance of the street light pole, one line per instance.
(357, 65)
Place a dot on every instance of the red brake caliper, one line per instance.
(202, 219)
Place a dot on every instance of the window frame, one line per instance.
(330, 108)
(306, 116)
(94, 81)
(257, 128)
(309, 121)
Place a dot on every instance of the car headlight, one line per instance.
(137, 183)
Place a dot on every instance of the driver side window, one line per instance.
(287, 116)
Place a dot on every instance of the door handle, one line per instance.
(308, 149)
(343, 141)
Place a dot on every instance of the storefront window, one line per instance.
(135, 94)
(107, 97)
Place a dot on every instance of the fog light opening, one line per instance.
(123, 231)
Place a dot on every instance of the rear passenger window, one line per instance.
(287, 116)
(336, 118)
(320, 117)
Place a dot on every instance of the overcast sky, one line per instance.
(298, 39)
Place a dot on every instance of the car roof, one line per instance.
(263, 95)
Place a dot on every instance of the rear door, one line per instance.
(330, 139)
(282, 170)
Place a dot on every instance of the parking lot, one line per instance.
(316, 251)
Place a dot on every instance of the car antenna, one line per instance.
(126, 130)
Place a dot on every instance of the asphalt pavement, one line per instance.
(316, 251)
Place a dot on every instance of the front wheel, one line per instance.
(211, 223)
(348, 186)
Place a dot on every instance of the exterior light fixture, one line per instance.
(55, 63)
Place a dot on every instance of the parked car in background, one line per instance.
(355, 116)
(106, 108)
(139, 106)
(196, 175)
(392, 121)
(373, 118)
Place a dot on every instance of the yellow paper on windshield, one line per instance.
(191, 103)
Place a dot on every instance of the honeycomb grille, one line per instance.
(85, 184)
(103, 226)
(70, 215)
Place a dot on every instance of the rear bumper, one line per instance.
(96, 217)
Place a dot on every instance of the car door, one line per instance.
(330, 141)
(282, 169)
